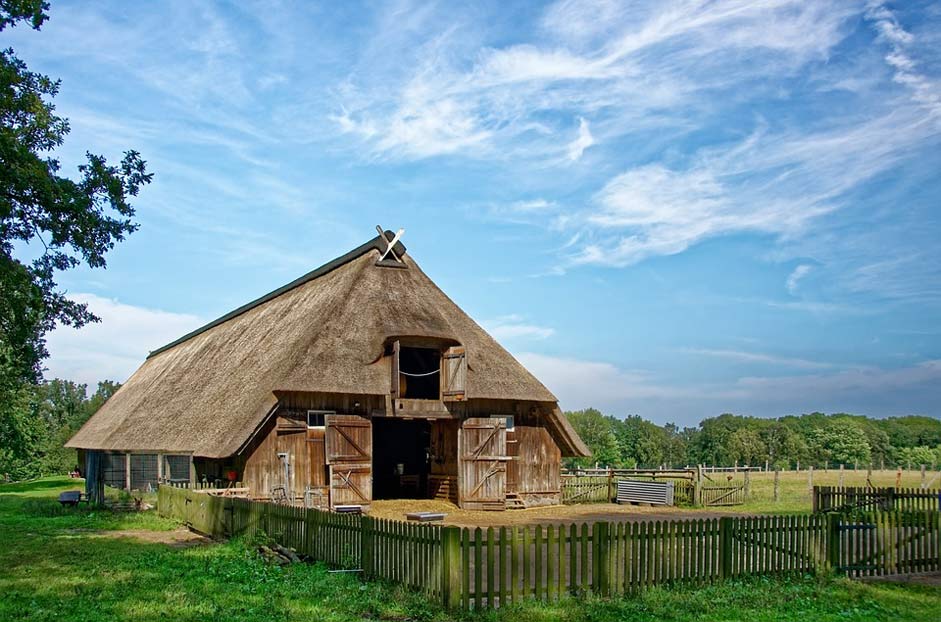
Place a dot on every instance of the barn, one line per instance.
(358, 381)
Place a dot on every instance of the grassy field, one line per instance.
(795, 494)
(70, 565)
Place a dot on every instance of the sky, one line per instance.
(666, 209)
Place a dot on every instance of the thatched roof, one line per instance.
(207, 392)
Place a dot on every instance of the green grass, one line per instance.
(794, 492)
(54, 565)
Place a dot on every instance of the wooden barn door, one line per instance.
(482, 464)
(348, 449)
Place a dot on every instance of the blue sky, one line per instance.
(668, 209)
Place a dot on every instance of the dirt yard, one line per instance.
(180, 538)
(555, 515)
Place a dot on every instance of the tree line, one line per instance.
(50, 222)
(34, 430)
(814, 439)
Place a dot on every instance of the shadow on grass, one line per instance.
(43, 485)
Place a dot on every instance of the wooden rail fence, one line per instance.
(487, 568)
(603, 489)
(836, 499)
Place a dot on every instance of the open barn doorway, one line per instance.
(400, 458)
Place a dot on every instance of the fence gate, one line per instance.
(885, 543)
(481, 447)
(348, 449)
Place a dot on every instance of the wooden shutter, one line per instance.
(348, 452)
(482, 464)
(396, 379)
(454, 374)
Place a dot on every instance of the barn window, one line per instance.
(316, 418)
(419, 373)
(143, 471)
(114, 470)
(176, 468)
(510, 421)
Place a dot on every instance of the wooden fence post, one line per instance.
(610, 485)
(451, 567)
(747, 485)
(777, 484)
(923, 485)
(840, 484)
(366, 545)
(833, 541)
(601, 549)
(725, 546)
(810, 478)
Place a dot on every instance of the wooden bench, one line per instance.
(425, 517)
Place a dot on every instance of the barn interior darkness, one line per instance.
(400, 458)
(419, 371)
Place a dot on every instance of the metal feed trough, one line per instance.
(633, 491)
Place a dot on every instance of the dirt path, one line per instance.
(555, 515)
(179, 538)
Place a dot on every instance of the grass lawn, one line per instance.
(794, 492)
(64, 565)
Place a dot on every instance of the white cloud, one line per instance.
(579, 383)
(113, 348)
(515, 327)
(925, 91)
(459, 95)
(759, 357)
(583, 141)
(768, 183)
(870, 390)
(533, 205)
(866, 380)
(796, 275)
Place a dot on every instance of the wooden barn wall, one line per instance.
(539, 462)
(260, 468)
(534, 473)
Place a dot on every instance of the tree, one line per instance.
(596, 430)
(745, 445)
(640, 441)
(75, 221)
(35, 429)
(784, 445)
(839, 441)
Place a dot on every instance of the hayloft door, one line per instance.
(481, 446)
(348, 450)
(454, 374)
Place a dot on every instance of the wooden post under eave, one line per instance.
(127, 472)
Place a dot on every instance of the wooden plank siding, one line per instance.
(532, 471)
(482, 463)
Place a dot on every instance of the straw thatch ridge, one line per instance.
(325, 332)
